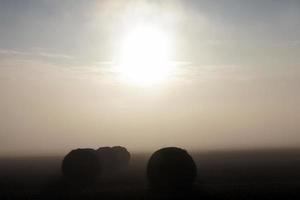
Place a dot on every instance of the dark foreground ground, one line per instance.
(222, 175)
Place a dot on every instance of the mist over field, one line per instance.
(149, 100)
(234, 84)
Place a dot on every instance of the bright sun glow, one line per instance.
(144, 57)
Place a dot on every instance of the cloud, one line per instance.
(10, 52)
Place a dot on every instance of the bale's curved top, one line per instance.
(171, 167)
(104, 152)
(104, 149)
(113, 158)
(121, 156)
(81, 165)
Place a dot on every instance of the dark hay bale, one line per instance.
(113, 158)
(105, 155)
(121, 157)
(171, 168)
(81, 165)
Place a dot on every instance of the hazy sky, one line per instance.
(235, 84)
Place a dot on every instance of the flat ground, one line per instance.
(221, 175)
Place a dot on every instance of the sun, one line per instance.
(145, 56)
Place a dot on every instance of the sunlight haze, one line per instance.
(147, 74)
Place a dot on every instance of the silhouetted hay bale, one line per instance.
(121, 157)
(113, 158)
(81, 165)
(171, 168)
(105, 155)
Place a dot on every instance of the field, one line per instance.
(263, 174)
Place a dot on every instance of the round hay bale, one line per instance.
(171, 167)
(105, 155)
(81, 165)
(121, 157)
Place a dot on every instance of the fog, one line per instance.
(236, 85)
(46, 109)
